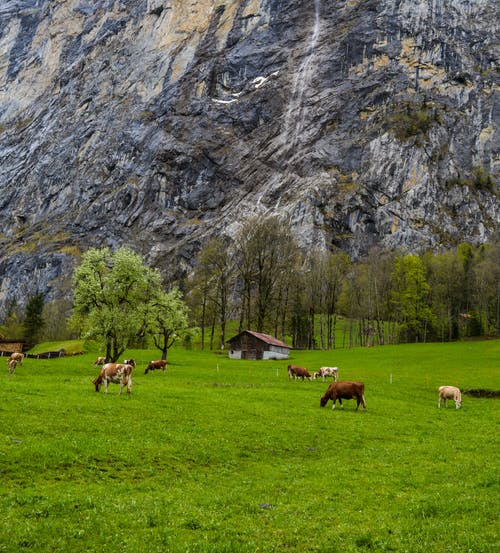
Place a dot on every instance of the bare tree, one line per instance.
(264, 251)
(213, 279)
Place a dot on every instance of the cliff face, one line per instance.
(158, 123)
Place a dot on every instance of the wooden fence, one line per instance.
(44, 355)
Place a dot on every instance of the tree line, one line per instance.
(262, 280)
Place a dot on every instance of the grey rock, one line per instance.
(156, 125)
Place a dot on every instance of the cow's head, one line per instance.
(97, 383)
(323, 401)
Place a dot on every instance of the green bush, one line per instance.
(411, 121)
(478, 179)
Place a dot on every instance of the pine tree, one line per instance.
(33, 319)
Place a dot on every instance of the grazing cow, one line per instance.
(327, 371)
(12, 365)
(450, 392)
(298, 372)
(158, 364)
(345, 390)
(100, 361)
(17, 357)
(114, 372)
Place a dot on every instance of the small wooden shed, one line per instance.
(256, 345)
(10, 346)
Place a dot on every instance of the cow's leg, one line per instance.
(105, 385)
(341, 404)
(129, 386)
(363, 402)
(360, 400)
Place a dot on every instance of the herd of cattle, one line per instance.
(121, 373)
(356, 390)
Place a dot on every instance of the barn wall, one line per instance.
(274, 355)
(11, 347)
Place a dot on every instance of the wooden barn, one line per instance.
(256, 345)
(10, 346)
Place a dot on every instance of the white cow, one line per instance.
(327, 371)
(450, 392)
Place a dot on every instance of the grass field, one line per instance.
(230, 456)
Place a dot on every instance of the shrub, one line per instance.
(478, 179)
(410, 121)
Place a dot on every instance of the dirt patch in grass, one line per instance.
(481, 392)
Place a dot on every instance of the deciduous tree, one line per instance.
(113, 293)
(411, 297)
(169, 321)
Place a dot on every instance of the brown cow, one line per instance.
(117, 373)
(159, 364)
(296, 372)
(100, 361)
(12, 365)
(345, 390)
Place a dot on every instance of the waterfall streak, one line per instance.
(295, 116)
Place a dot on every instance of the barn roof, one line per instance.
(264, 338)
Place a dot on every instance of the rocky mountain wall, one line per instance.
(159, 123)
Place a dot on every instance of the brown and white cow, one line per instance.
(294, 371)
(345, 390)
(327, 371)
(12, 363)
(158, 364)
(118, 373)
(100, 361)
(17, 357)
(450, 392)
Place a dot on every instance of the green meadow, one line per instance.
(217, 455)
